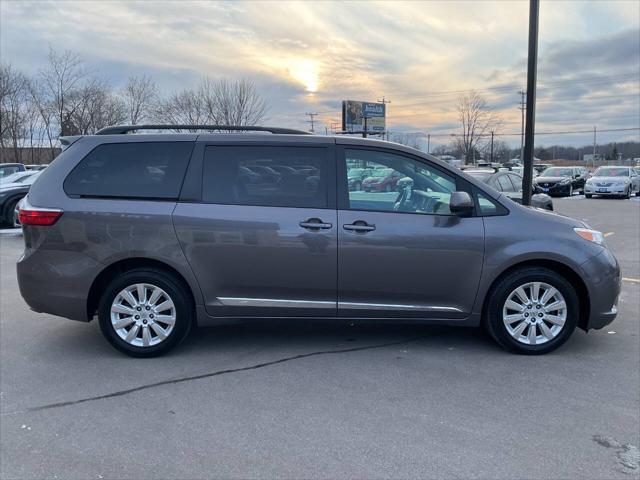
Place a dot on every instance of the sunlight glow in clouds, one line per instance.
(311, 55)
(306, 72)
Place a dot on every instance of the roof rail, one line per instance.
(122, 129)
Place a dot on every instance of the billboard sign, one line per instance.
(354, 114)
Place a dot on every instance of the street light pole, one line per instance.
(529, 134)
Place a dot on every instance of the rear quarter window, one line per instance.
(153, 170)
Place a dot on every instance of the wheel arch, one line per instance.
(122, 266)
(558, 267)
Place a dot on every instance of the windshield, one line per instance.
(611, 172)
(557, 172)
(482, 176)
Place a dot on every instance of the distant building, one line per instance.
(592, 157)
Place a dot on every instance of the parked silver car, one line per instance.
(157, 233)
(613, 181)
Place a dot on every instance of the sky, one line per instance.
(309, 56)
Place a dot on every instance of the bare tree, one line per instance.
(182, 108)
(477, 121)
(409, 139)
(14, 112)
(232, 103)
(218, 102)
(58, 82)
(94, 107)
(139, 95)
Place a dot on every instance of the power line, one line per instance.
(565, 132)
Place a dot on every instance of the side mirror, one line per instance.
(461, 204)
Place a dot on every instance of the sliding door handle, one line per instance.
(315, 224)
(359, 226)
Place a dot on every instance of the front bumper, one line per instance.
(556, 190)
(602, 276)
(612, 191)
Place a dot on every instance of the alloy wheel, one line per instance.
(143, 315)
(534, 313)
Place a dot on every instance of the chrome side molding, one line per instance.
(391, 306)
(286, 303)
(273, 302)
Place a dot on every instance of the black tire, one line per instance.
(388, 188)
(358, 186)
(628, 194)
(173, 287)
(587, 195)
(507, 284)
(8, 212)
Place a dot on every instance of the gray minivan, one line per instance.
(158, 232)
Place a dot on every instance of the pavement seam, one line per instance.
(207, 375)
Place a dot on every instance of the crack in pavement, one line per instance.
(208, 375)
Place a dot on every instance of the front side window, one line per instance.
(269, 176)
(153, 170)
(397, 183)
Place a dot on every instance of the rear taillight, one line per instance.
(39, 216)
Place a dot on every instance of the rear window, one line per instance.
(153, 170)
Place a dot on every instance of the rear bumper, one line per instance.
(602, 276)
(57, 282)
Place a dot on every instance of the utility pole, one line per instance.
(364, 132)
(384, 101)
(532, 73)
(428, 143)
(491, 147)
(311, 115)
(523, 108)
(594, 146)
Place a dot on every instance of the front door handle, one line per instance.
(315, 224)
(359, 226)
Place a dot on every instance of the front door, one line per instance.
(402, 253)
(262, 241)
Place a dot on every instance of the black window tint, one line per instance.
(131, 170)
(265, 176)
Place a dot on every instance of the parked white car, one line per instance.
(613, 181)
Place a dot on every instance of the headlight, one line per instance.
(620, 184)
(565, 181)
(591, 235)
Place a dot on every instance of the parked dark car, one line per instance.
(157, 233)
(510, 184)
(381, 180)
(7, 169)
(561, 181)
(12, 189)
(355, 177)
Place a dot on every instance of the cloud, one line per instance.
(308, 56)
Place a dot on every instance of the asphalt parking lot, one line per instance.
(324, 401)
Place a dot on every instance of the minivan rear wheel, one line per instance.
(145, 312)
(532, 311)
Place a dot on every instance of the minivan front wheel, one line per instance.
(532, 311)
(145, 312)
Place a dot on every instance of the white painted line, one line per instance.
(632, 280)
(608, 234)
